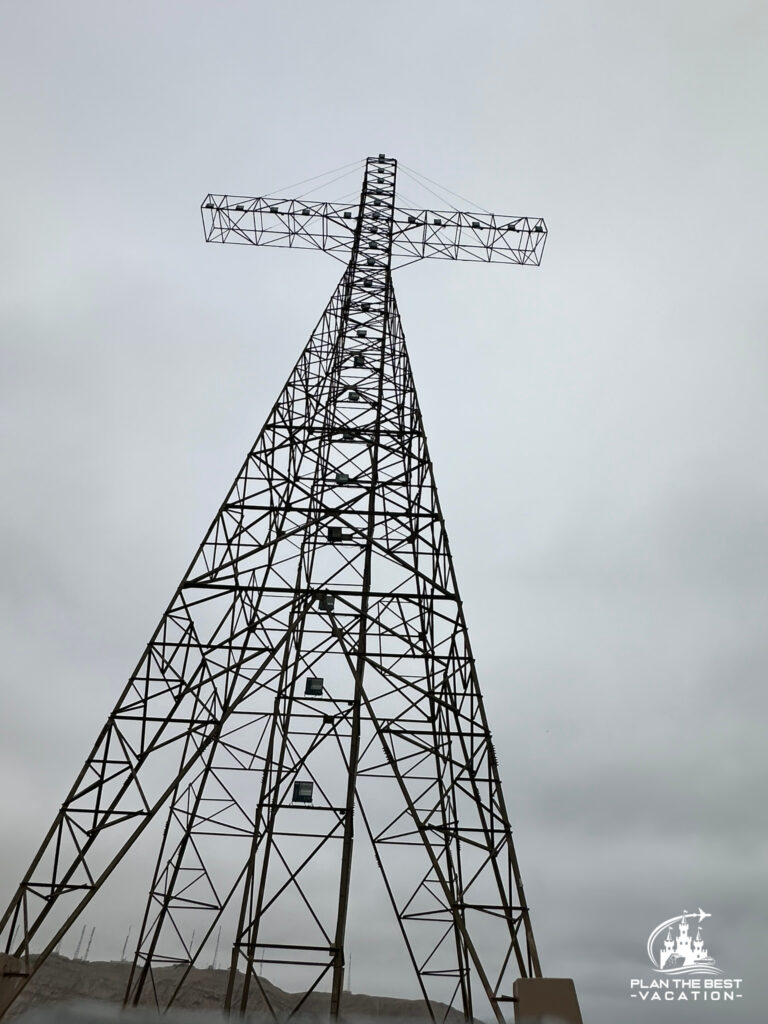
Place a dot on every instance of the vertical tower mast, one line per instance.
(372, 279)
(367, 298)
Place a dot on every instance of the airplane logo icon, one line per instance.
(702, 914)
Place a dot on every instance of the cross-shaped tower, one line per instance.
(311, 683)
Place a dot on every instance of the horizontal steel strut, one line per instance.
(312, 673)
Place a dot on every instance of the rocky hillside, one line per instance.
(61, 980)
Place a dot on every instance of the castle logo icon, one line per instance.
(677, 953)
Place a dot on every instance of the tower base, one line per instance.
(546, 1001)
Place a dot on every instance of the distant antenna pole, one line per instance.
(79, 944)
(216, 950)
(90, 940)
(125, 944)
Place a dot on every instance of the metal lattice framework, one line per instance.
(313, 670)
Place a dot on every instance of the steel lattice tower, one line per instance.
(311, 677)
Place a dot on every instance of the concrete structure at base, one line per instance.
(546, 1001)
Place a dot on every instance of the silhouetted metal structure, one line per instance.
(313, 671)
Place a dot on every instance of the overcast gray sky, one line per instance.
(598, 425)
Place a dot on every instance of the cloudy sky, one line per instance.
(598, 425)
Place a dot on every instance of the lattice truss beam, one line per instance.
(416, 234)
(312, 670)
